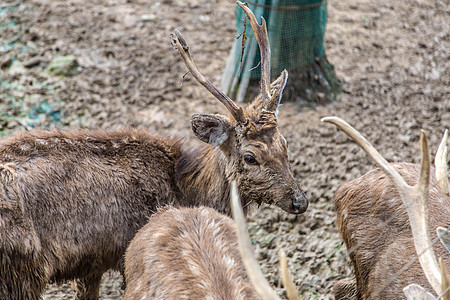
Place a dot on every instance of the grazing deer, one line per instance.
(195, 253)
(374, 214)
(71, 201)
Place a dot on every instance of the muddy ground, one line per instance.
(392, 56)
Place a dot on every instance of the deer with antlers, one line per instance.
(72, 200)
(386, 225)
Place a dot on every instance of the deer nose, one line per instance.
(300, 203)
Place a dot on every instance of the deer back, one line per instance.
(73, 200)
(374, 225)
(186, 253)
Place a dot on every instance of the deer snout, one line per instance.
(294, 202)
(299, 203)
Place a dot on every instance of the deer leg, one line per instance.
(87, 288)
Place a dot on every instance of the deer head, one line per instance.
(249, 139)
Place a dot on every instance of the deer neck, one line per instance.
(204, 178)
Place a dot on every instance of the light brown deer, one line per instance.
(192, 253)
(71, 201)
(386, 225)
(186, 253)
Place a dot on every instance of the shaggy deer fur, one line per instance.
(192, 253)
(71, 201)
(374, 225)
(186, 253)
(386, 221)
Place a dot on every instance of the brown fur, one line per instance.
(378, 249)
(70, 201)
(186, 253)
(345, 290)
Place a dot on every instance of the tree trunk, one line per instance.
(296, 32)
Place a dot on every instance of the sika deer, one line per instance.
(186, 253)
(373, 213)
(72, 200)
(192, 253)
(248, 147)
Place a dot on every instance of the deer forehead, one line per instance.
(257, 114)
(260, 123)
(267, 150)
(263, 135)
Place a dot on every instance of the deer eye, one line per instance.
(250, 159)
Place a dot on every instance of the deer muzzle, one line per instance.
(299, 203)
(294, 202)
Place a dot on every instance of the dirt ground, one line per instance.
(393, 57)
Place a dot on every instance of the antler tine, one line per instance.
(235, 110)
(445, 281)
(415, 198)
(289, 285)
(440, 163)
(257, 278)
(262, 37)
(444, 236)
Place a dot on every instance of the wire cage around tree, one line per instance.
(296, 30)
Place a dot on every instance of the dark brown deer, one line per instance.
(192, 253)
(71, 201)
(386, 225)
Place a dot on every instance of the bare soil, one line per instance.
(393, 57)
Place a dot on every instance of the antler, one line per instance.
(415, 198)
(440, 163)
(264, 47)
(291, 291)
(257, 278)
(235, 110)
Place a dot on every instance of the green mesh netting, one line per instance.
(296, 31)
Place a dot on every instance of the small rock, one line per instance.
(62, 66)
(32, 62)
(16, 67)
(5, 62)
(149, 17)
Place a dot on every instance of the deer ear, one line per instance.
(211, 129)
(276, 90)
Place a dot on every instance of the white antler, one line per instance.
(251, 265)
(416, 292)
(440, 163)
(415, 199)
(289, 285)
(445, 282)
(257, 278)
